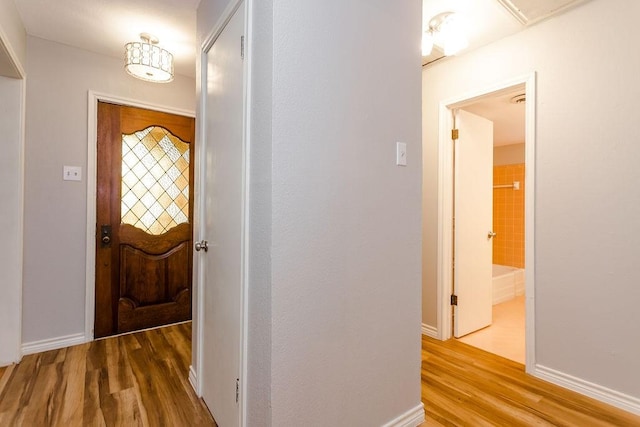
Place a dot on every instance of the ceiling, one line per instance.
(489, 20)
(508, 117)
(7, 67)
(104, 26)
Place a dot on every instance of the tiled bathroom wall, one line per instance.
(508, 216)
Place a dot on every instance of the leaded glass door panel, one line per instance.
(144, 219)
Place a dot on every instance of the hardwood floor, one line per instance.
(465, 386)
(139, 379)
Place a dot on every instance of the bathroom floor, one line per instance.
(505, 336)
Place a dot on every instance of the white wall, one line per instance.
(508, 154)
(334, 289)
(260, 314)
(55, 210)
(346, 220)
(587, 202)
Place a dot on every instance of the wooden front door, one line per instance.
(144, 219)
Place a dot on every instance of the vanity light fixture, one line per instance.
(445, 30)
(147, 61)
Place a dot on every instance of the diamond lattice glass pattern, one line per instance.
(155, 180)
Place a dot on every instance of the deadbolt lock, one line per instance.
(105, 236)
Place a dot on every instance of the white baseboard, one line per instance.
(430, 331)
(604, 394)
(412, 418)
(53, 343)
(193, 379)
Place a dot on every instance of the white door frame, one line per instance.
(445, 206)
(11, 336)
(198, 267)
(92, 179)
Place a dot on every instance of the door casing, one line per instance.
(11, 305)
(445, 205)
(91, 177)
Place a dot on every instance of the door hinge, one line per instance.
(237, 389)
(242, 47)
(454, 134)
(454, 299)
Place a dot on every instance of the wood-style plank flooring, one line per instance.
(466, 386)
(139, 379)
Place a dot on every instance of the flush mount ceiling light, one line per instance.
(147, 61)
(446, 31)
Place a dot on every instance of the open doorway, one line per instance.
(474, 104)
(503, 115)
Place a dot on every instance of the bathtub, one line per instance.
(508, 282)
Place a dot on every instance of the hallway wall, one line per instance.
(346, 220)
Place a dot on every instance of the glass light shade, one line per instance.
(452, 35)
(454, 45)
(148, 62)
(427, 43)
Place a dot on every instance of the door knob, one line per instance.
(106, 240)
(491, 234)
(202, 246)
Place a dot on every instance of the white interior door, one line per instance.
(473, 222)
(222, 220)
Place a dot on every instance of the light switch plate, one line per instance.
(401, 154)
(72, 173)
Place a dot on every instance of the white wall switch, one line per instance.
(72, 173)
(401, 154)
